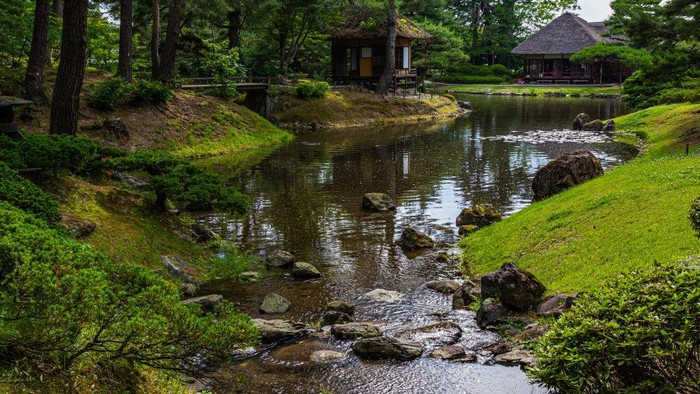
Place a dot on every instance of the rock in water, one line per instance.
(280, 258)
(378, 202)
(305, 270)
(382, 295)
(580, 120)
(515, 288)
(279, 330)
(335, 317)
(479, 216)
(463, 297)
(341, 306)
(208, 303)
(355, 330)
(468, 229)
(327, 356)
(274, 303)
(515, 357)
(443, 333)
(564, 172)
(203, 233)
(490, 313)
(453, 352)
(609, 126)
(443, 286)
(596, 125)
(388, 347)
(413, 239)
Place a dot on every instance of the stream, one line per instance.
(306, 199)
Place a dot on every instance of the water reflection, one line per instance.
(306, 198)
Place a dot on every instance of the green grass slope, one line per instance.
(632, 216)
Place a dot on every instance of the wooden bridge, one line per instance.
(242, 83)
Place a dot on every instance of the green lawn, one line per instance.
(632, 216)
(534, 89)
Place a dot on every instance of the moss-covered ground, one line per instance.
(628, 218)
(539, 90)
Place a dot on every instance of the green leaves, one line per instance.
(694, 215)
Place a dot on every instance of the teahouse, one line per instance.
(547, 52)
(358, 49)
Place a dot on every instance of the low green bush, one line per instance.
(114, 92)
(68, 309)
(311, 89)
(469, 79)
(638, 334)
(694, 215)
(230, 262)
(25, 195)
(150, 92)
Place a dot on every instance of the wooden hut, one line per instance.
(358, 49)
(547, 52)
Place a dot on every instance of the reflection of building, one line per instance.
(358, 49)
(547, 52)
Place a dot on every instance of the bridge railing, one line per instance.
(209, 82)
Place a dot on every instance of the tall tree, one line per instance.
(155, 40)
(389, 63)
(126, 32)
(172, 35)
(65, 102)
(234, 28)
(57, 8)
(38, 55)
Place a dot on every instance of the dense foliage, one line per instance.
(311, 89)
(641, 333)
(113, 92)
(694, 215)
(25, 195)
(465, 73)
(64, 306)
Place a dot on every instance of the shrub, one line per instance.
(230, 262)
(108, 94)
(311, 89)
(65, 307)
(25, 195)
(150, 92)
(640, 333)
(469, 79)
(694, 215)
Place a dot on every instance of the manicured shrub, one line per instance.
(469, 79)
(65, 307)
(311, 89)
(150, 92)
(108, 94)
(694, 215)
(640, 333)
(25, 195)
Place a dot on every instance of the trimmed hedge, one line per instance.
(311, 89)
(114, 92)
(469, 74)
(25, 195)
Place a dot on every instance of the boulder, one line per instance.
(556, 305)
(280, 258)
(78, 228)
(274, 303)
(131, 181)
(413, 239)
(378, 202)
(463, 296)
(305, 270)
(515, 288)
(203, 233)
(609, 126)
(341, 306)
(178, 269)
(465, 105)
(440, 334)
(479, 216)
(382, 295)
(279, 330)
(327, 356)
(515, 357)
(388, 347)
(116, 128)
(208, 303)
(491, 313)
(596, 125)
(580, 120)
(335, 317)
(453, 352)
(355, 330)
(447, 286)
(187, 289)
(564, 172)
(467, 229)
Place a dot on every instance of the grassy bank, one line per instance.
(538, 90)
(632, 216)
(348, 109)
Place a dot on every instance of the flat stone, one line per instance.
(413, 239)
(341, 306)
(388, 347)
(178, 269)
(280, 258)
(442, 333)
(208, 303)
(515, 357)
(355, 330)
(305, 270)
(378, 202)
(327, 356)
(335, 317)
(382, 295)
(275, 303)
(447, 286)
(453, 352)
(280, 330)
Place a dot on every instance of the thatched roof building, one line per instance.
(548, 50)
(364, 24)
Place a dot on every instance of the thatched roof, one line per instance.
(567, 34)
(368, 24)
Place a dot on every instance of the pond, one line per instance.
(306, 199)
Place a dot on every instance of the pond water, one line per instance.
(306, 199)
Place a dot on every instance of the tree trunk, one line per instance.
(126, 32)
(283, 57)
(234, 29)
(65, 102)
(155, 38)
(390, 57)
(172, 35)
(57, 8)
(38, 56)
